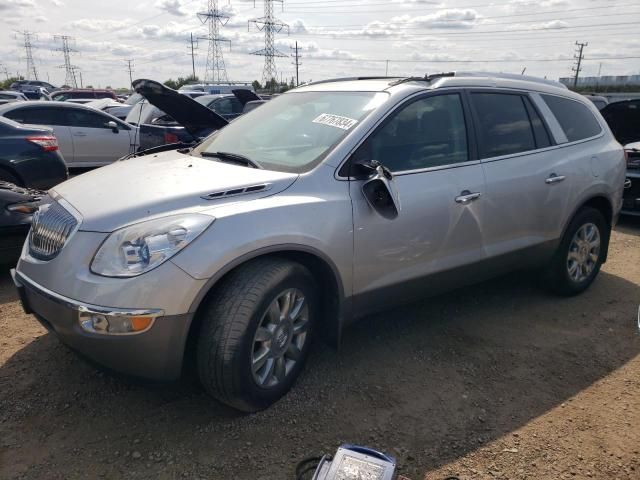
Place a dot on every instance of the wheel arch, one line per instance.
(604, 206)
(334, 304)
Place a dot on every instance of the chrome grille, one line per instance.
(51, 227)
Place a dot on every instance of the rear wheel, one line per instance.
(256, 333)
(580, 254)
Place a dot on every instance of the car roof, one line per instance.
(444, 80)
(46, 103)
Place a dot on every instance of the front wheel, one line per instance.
(256, 333)
(579, 257)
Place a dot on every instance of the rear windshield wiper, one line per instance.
(232, 157)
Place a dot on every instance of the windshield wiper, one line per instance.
(233, 158)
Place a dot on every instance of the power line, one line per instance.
(296, 55)
(194, 47)
(270, 26)
(216, 70)
(70, 70)
(578, 58)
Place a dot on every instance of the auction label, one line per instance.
(344, 123)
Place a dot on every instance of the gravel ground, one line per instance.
(499, 380)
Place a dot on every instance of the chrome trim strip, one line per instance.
(86, 307)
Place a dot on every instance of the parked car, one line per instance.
(29, 156)
(168, 117)
(329, 202)
(214, 89)
(624, 120)
(599, 101)
(39, 94)
(62, 95)
(17, 206)
(81, 101)
(11, 96)
(87, 138)
(31, 86)
(227, 106)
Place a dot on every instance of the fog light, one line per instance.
(114, 324)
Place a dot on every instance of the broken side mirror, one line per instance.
(379, 190)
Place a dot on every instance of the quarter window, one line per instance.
(503, 124)
(576, 119)
(429, 132)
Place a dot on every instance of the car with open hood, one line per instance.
(325, 204)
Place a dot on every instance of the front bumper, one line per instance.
(156, 353)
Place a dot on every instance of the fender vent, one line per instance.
(237, 191)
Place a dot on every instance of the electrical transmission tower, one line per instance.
(28, 49)
(579, 56)
(296, 61)
(216, 70)
(70, 77)
(270, 25)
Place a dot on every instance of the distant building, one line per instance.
(603, 81)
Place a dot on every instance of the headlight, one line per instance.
(138, 248)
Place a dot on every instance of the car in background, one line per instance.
(39, 94)
(8, 96)
(30, 156)
(228, 106)
(17, 206)
(87, 137)
(599, 101)
(213, 89)
(631, 194)
(116, 108)
(62, 95)
(31, 86)
(81, 101)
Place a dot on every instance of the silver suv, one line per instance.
(324, 204)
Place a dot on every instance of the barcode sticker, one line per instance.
(344, 123)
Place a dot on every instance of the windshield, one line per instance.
(293, 132)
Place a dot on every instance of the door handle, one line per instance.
(79, 134)
(553, 178)
(466, 197)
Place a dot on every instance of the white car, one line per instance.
(87, 137)
(11, 96)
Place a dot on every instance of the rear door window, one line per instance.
(576, 119)
(503, 124)
(38, 116)
(83, 119)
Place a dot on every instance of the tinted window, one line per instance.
(576, 119)
(427, 133)
(503, 124)
(38, 116)
(82, 118)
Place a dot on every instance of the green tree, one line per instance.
(256, 85)
(180, 81)
(5, 84)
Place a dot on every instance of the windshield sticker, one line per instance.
(344, 123)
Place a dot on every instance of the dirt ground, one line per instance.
(496, 381)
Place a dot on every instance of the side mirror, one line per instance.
(113, 126)
(379, 191)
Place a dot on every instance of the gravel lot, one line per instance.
(500, 380)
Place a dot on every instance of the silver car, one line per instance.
(324, 204)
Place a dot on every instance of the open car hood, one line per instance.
(193, 116)
(623, 119)
(245, 95)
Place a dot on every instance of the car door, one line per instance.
(528, 179)
(94, 142)
(49, 116)
(439, 186)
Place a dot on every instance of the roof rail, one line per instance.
(512, 76)
(346, 79)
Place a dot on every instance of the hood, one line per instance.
(134, 190)
(623, 119)
(245, 95)
(194, 117)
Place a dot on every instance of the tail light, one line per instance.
(47, 144)
(170, 137)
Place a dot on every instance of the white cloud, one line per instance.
(174, 7)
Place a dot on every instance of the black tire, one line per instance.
(556, 276)
(229, 324)
(7, 176)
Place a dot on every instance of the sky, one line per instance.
(337, 38)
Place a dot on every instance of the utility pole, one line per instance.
(579, 57)
(194, 47)
(270, 26)
(130, 68)
(70, 76)
(28, 37)
(296, 55)
(215, 18)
